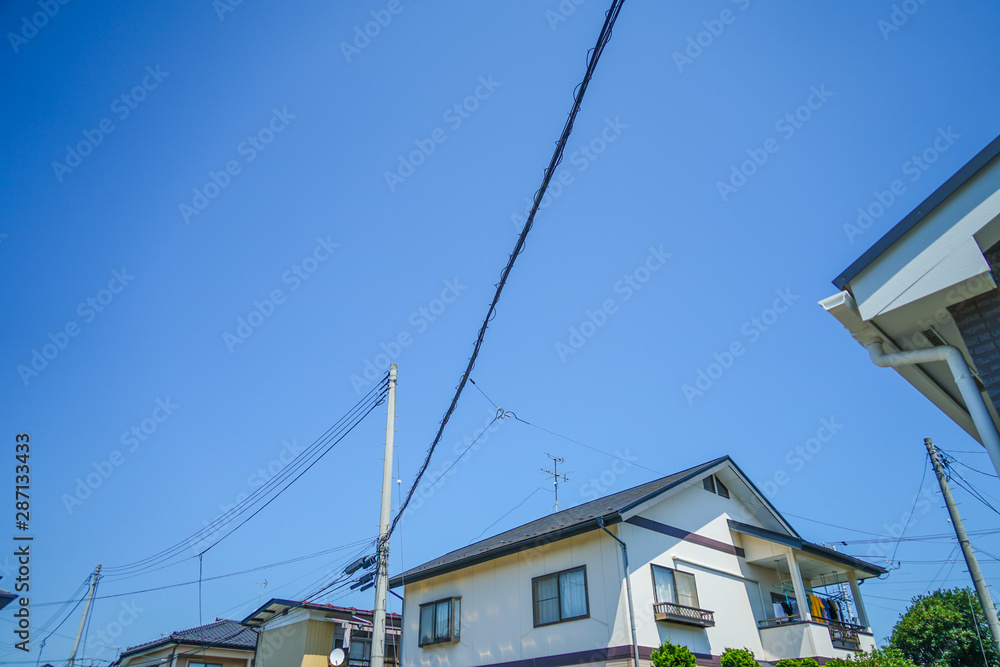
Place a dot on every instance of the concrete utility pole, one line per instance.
(382, 572)
(963, 540)
(86, 610)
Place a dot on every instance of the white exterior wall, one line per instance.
(497, 620)
(733, 600)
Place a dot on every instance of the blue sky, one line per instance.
(279, 130)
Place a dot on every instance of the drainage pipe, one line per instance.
(964, 378)
(628, 590)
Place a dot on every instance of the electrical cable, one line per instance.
(219, 576)
(506, 513)
(594, 56)
(923, 477)
(330, 439)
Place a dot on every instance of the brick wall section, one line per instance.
(979, 321)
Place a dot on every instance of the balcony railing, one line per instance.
(843, 635)
(678, 613)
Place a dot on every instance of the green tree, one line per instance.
(940, 630)
(673, 655)
(738, 657)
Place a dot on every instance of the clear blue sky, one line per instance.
(288, 135)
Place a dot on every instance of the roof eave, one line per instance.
(936, 198)
(507, 550)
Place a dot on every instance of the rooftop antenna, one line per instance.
(263, 585)
(556, 460)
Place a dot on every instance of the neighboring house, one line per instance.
(6, 597)
(224, 643)
(302, 634)
(931, 281)
(711, 564)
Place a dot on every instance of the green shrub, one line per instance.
(789, 662)
(738, 657)
(808, 662)
(673, 655)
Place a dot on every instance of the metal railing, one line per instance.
(670, 611)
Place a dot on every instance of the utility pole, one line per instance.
(556, 460)
(382, 568)
(86, 610)
(963, 540)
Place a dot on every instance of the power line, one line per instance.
(298, 467)
(909, 516)
(594, 56)
(507, 513)
(220, 576)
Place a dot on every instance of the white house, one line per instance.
(710, 564)
(924, 299)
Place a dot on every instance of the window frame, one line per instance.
(204, 664)
(557, 575)
(714, 485)
(672, 570)
(454, 629)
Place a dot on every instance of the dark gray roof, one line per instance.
(916, 215)
(557, 526)
(223, 633)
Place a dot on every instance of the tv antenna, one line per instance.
(263, 585)
(556, 460)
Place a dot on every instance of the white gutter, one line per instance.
(964, 378)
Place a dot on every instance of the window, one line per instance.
(560, 597)
(674, 586)
(204, 664)
(715, 485)
(440, 621)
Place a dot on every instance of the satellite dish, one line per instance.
(338, 657)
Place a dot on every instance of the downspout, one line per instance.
(964, 378)
(628, 590)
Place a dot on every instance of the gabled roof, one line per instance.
(223, 633)
(567, 523)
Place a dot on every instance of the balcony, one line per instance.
(843, 636)
(678, 613)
